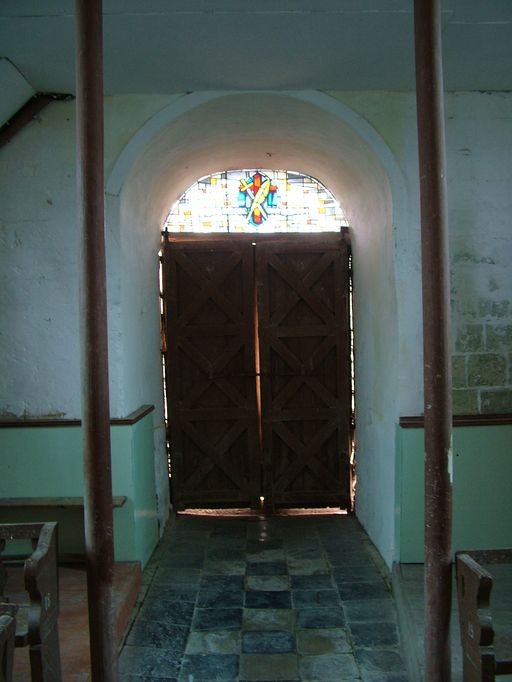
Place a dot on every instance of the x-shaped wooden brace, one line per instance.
(297, 366)
(214, 453)
(294, 384)
(301, 287)
(211, 369)
(209, 285)
(305, 456)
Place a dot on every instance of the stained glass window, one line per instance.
(256, 201)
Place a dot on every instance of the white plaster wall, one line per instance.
(376, 366)
(393, 116)
(165, 163)
(361, 145)
(39, 263)
(16, 91)
(140, 328)
(317, 135)
(39, 369)
(39, 277)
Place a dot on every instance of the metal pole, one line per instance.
(436, 340)
(96, 414)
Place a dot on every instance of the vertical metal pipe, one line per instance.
(95, 390)
(436, 339)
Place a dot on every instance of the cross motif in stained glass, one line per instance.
(257, 194)
(250, 200)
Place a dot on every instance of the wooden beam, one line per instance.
(27, 114)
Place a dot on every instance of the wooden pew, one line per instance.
(7, 634)
(474, 585)
(37, 617)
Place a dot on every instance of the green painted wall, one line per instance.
(145, 515)
(47, 462)
(482, 472)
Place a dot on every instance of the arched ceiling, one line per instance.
(254, 131)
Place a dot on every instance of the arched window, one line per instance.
(256, 201)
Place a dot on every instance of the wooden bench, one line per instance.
(65, 510)
(474, 585)
(36, 616)
(7, 634)
(60, 502)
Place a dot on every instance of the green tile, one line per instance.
(370, 610)
(149, 661)
(267, 582)
(329, 668)
(214, 642)
(268, 642)
(209, 667)
(216, 597)
(312, 582)
(268, 599)
(267, 568)
(379, 662)
(255, 667)
(225, 567)
(322, 641)
(319, 617)
(312, 598)
(268, 619)
(307, 566)
(162, 635)
(266, 555)
(373, 635)
(217, 619)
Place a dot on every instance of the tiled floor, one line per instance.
(276, 598)
(283, 598)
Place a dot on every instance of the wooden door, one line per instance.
(211, 387)
(305, 369)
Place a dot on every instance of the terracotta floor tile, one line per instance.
(73, 617)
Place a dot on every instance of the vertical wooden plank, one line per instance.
(343, 368)
(253, 384)
(212, 377)
(263, 314)
(305, 364)
(172, 377)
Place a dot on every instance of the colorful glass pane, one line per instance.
(256, 200)
(257, 194)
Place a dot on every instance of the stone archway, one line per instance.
(314, 134)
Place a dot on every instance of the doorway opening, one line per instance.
(257, 344)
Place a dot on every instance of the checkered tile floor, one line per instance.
(291, 598)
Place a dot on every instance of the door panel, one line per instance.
(219, 410)
(210, 363)
(305, 370)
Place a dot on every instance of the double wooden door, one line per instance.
(258, 370)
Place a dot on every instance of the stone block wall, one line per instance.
(482, 360)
